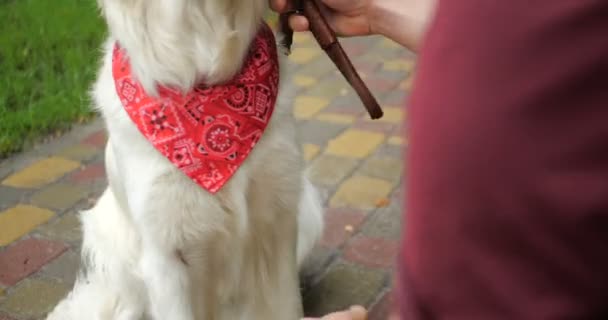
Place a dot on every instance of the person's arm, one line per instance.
(403, 21)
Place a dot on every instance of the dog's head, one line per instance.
(179, 42)
(162, 17)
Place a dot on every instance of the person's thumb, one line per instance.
(354, 313)
(358, 313)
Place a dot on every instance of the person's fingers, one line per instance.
(343, 5)
(278, 5)
(344, 315)
(354, 313)
(298, 23)
(350, 26)
(358, 313)
(344, 26)
(282, 6)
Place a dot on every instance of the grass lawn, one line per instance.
(49, 52)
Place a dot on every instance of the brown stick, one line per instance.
(328, 41)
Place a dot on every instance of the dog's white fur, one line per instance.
(157, 246)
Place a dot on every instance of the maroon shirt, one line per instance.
(507, 188)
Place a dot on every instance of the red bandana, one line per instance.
(208, 132)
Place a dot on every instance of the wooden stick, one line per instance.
(328, 41)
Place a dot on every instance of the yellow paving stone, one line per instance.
(355, 143)
(328, 170)
(391, 115)
(361, 192)
(305, 107)
(310, 151)
(2, 294)
(399, 65)
(338, 118)
(304, 81)
(41, 173)
(18, 221)
(304, 55)
(395, 140)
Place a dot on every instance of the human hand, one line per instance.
(354, 313)
(347, 17)
(403, 21)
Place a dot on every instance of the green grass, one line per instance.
(49, 53)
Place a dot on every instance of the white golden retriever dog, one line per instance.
(157, 245)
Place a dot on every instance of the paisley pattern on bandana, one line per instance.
(208, 132)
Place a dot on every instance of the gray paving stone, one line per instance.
(64, 268)
(385, 222)
(344, 285)
(388, 150)
(318, 68)
(329, 88)
(60, 196)
(349, 104)
(396, 97)
(34, 298)
(10, 196)
(66, 228)
(315, 265)
(317, 132)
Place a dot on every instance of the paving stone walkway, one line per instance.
(354, 161)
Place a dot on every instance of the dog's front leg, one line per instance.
(167, 281)
(162, 270)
